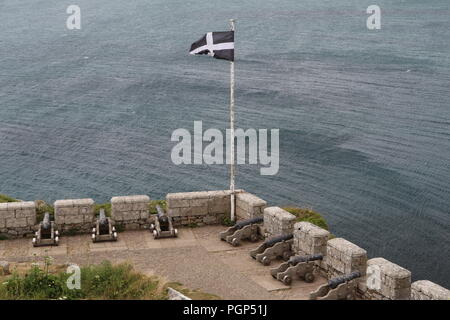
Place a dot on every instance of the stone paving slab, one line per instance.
(61, 249)
(269, 283)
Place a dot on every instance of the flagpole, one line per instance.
(232, 169)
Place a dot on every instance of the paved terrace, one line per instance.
(197, 259)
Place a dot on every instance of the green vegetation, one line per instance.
(226, 221)
(308, 215)
(98, 282)
(5, 198)
(41, 208)
(192, 225)
(105, 206)
(152, 206)
(119, 227)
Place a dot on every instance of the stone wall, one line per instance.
(344, 257)
(248, 205)
(74, 215)
(278, 222)
(131, 212)
(385, 281)
(310, 239)
(427, 290)
(17, 218)
(199, 208)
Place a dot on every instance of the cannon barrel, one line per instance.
(272, 241)
(161, 212)
(243, 223)
(102, 217)
(298, 259)
(163, 219)
(333, 283)
(46, 221)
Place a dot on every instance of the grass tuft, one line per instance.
(308, 215)
(5, 198)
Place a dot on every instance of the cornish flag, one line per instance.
(220, 45)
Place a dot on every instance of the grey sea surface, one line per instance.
(364, 115)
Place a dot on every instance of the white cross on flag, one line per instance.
(219, 45)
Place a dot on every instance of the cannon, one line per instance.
(47, 235)
(339, 288)
(274, 248)
(301, 267)
(103, 230)
(243, 230)
(163, 228)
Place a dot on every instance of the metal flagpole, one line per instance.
(232, 172)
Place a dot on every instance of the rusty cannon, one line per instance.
(301, 267)
(103, 230)
(249, 229)
(339, 288)
(47, 235)
(163, 227)
(274, 248)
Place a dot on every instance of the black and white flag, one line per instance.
(220, 45)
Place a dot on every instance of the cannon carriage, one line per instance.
(103, 230)
(274, 248)
(297, 267)
(163, 226)
(339, 288)
(249, 229)
(47, 235)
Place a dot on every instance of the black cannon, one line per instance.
(163, 227)
(248, 229)
(301, 267)
(271, 249)
(103, 230)
(339, 288)
(47, 235)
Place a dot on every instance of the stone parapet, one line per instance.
(427, 290)
(344, 257)
(386, 281)
(131, 212)
(249, 206)
(278, 222)
(17, 218)
(199, 208)
(310, 239)
(74, 215)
